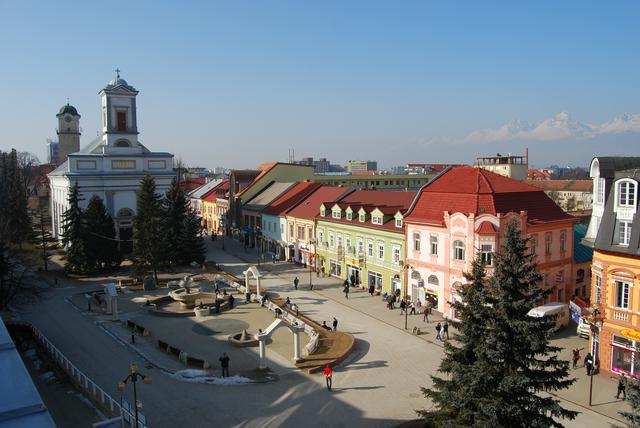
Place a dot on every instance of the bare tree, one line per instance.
(28, 164)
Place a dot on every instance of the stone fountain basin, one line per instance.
(186, 299)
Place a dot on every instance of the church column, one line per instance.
(296, 346)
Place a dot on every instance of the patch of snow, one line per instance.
(203, 376)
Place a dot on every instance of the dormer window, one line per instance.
(336, 214)
(322, 212)
(626, 193)
(349, 215)
(362, 218)
(398, 222)
(624, 232)
(376, 219)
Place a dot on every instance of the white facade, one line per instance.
(112, 165)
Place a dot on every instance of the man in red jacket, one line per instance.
(328, 373)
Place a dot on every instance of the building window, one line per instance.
(360, 247)
(349, 214)
(416, 241)
(322, 212)
(320, 238)
(369, 248)
(458, 250)
(396, 255)
(122, 120)
(339, 240)
(376, 220)
(563, 238)
(331, 239)
(300, 232)
(123, 164)
(626, 194)
(123, 143)
(398, 222)
(335, 214)
(291, 230)
(380, 251)
(622, 294)
(534, 244)
(347, 243)
(600, 190)
(362, 218)
(579, 276)
(624, 232)
(547, 244)
(157, 164)
(86, 164)
(486, 254)
(434, 245)
(598, 289)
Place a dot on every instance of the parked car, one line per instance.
(583, 329)
(553, 309)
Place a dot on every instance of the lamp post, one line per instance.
(134, 376)
(312, 242)
(403, 271)
(594, 319)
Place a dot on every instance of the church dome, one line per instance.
(68, 109)
(118, 81)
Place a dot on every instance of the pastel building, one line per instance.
(361, 237)
(461, 215)
(215, 203)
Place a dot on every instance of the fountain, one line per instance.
(187, 293)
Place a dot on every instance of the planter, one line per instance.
(204, 311)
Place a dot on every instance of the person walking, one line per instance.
(576, 357)
(403, 306)
(346, 291)
(325, 326)
(412, 307)
(622, 388)
(353, 280)
(588, 363)
(438, 329)
(425, 314)
(224, 364)
(335, 324)
(231, 300)
(295, 282)
(328, 375)
(372, 288)
(445, 330)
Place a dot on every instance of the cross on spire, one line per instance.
(67, 100)
(117, 73)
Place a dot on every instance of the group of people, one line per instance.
(589, 363)
(335, 325)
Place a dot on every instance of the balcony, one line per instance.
(619, 315)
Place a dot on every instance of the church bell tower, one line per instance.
(68, 131)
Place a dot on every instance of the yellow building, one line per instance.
(214, 206)
(615, 337)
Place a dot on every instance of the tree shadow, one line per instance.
(357, 388)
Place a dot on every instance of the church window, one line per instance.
(123, 143)
(123, 164)
(122, 121)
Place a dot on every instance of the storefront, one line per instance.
(625, 352)
(353, 271)
(335, 268)
(375, 279)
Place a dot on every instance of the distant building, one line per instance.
(375, 181)
(539, 174)
(511, 166)
(570, 195)
(53, 152)
(355, 165)
(320, 166)
(420, 168)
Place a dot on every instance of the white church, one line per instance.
(112, 165)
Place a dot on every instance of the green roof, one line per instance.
(581, 252)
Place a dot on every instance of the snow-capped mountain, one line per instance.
(560, 127)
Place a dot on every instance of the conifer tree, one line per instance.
(18, 223)
(511, 361)
(74, 234)
(149, 249)
(42, 238)
(174, 221)
(101, 244)
(191, 242)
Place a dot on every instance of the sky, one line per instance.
(240, 83)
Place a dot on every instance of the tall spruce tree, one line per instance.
(42, 238)
(74, 234)
(511, 361)
(18, 221)
(191, 242)
(149, 249)
(101, 244)
(174, 222)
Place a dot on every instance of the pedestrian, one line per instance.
(322, 270)
(588, 363)
(392, 301)
(294, 307)
(318, 273)
(231, 300)
(576, 357)
(372, 288)
(346, 291)
(353, 280)
(335, 324)
(445, 330)
(295, 282)
(438, 329)
(224, 364)
(324, 325)
(328, 374)
(403, 306)
(273, 258)
(425, 314)
(264, 299)
(622, 388)
(278, 312)
(412, 306)
(287, 302)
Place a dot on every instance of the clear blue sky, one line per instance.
(238, 83)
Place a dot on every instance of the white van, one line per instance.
(556, 309)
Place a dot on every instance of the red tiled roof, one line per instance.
(310, 206)
(212, 194)
(291, 198)
(191, 183)
(563, 185)
(487, 228)
(467, 190)
(379, 198)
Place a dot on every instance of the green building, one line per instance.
(362, 237)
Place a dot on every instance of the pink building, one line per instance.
(461, 215)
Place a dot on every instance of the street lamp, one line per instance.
(311, 242)
(594, 319)
(134, 376)
(403, 271)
